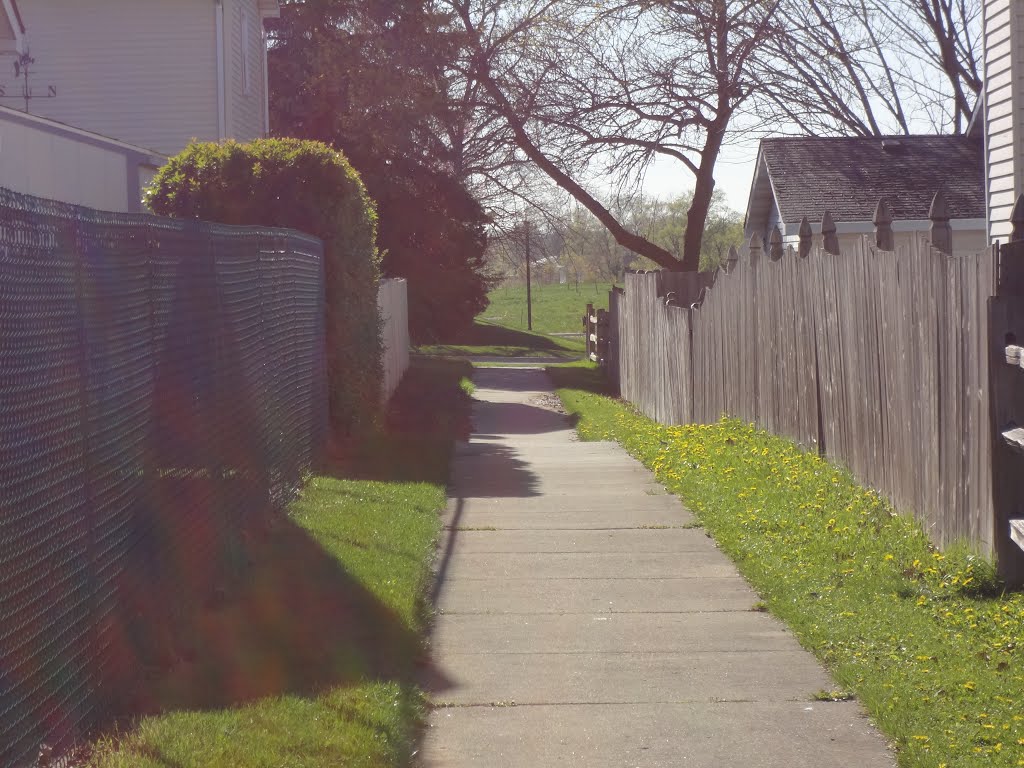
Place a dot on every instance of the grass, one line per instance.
(923, 638)
(556, 308)
(312, 659)
(486, 339)
(501, 330)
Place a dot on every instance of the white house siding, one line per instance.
(1004, 139)
(142, 71)
(244, 70)
(46, 159)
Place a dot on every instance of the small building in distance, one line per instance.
(796, 177)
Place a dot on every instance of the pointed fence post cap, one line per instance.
(882, 219)
(732, 259)
(940, 233)
(830, 240)
(883, 214)
(1017, 219)
(755, 247)
(805, 238)
(775, 244)
(939, 210)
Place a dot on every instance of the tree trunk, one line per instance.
(704, 187)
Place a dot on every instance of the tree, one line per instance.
(664, 222)
(436, 239)
(722, 230)
(871, 67)
(372, 78)
(579, 85)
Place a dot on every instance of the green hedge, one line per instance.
(308, 186)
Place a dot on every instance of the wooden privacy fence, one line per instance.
(877, 359)
(393, 305)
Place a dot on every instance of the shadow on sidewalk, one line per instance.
(512, 379)
(491, 470)
(517, 419)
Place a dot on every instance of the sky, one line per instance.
(733, 173)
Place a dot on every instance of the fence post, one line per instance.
(602, 337)
(588, 331)
(830, 241)
(775, 245)
(1017, 219)
(940, 232)
(613, 371)
(883, 226)
(805, 238)
(756, 244)
(1006, 403)
(731, 259)
(91, 640)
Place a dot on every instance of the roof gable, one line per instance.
(12, 30)
(847, 176)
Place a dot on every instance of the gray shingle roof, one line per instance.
(848, 175)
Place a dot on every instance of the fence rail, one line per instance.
(879, 360)
(160, 381)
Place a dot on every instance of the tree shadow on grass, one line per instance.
(499, 341)
(215, 616)
(484, 334)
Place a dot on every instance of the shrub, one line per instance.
(308, 186)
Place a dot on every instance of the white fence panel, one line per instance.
(393, 303)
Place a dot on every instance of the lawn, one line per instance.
(924, 639)
(556, 308)
(501, 330)
(313, 658)
(485, 339)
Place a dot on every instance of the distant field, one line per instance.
(556, 308)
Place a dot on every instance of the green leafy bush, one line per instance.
(308, 186)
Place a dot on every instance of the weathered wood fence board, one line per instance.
(877, 359)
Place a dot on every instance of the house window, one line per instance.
(245, 46)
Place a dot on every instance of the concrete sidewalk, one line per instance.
(584, 621)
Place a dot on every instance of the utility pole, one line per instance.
(529, 295)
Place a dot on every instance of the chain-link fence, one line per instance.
(160, 381)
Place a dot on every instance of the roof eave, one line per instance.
(974, 125)
(269, 9)
(10, 8)
(758, 184)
